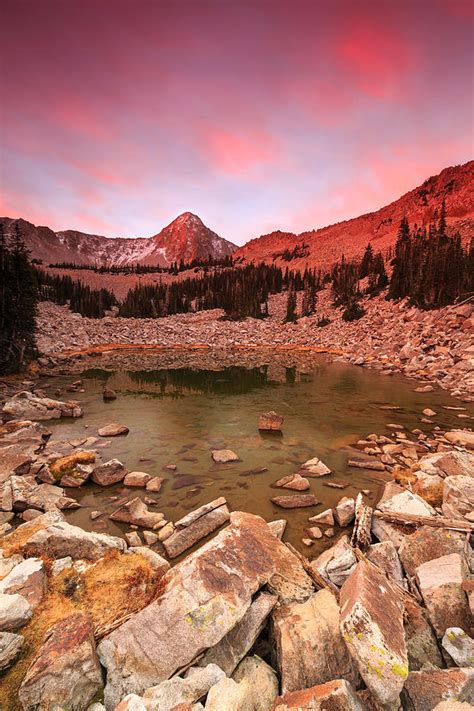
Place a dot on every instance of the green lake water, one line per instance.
(178, 414)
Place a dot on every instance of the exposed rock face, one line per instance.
(422, 646)
(459, 646)
(336, 563)
(28, 579)
(458, 496)
(427, 543)
(27, 406)
(425, 689)
(10, 648)
(15, 612)
(461, 437)
(448, 464)
(309, 646)
(109, 473)
(372, 626)
(333, 696)
(237, 643)
(203, 599)
(260, 680)
(441, 584)
(270, 421)
(196, 525)
(66, 671)
(386, 557)
(61, 539)
(187, 690)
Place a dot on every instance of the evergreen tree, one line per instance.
(18, 302)
(366, 263)
(291, 316)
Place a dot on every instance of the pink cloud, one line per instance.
(238, 152)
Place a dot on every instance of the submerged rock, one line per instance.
(113, 430)
(224, 455)
(295, 501)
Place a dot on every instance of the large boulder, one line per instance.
(66, 671)
(10, 648)
(309, 646)
(203, 598)
(232, 648)
(422, 645)
(27, 406)
(445, 464)
(440, 582)
(179, 690)
(15, 612)
(458, 496)
(72, 470)
(196, 525)
(109, 473)
(464, 438)
(397, 500)
(335, 695)
(61, 539)
(385, 556)
(260, 680)
(27, 494)
(336, 563)
(228, 695)
(459, 646)
(137, 513)
(372, 627)
(28, 579)
(425, 689)
(427, 543)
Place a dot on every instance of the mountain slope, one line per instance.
(185, 238)
(326, 245)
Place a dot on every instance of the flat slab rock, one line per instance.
(66, 671)
(61, 539)
(270, 421)
(136, 512)
(295, 501)
(203, 598)
(372, 626)
(113, 430)
(309, 646)
(27, 406)
(423, 690)
(335, 695)
(293, 481)
(196, 525)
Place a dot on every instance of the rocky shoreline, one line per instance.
(379, 621)
(434, 347)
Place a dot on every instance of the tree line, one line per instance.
(174, 268)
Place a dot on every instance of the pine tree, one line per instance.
(366, 263)
(291, 316)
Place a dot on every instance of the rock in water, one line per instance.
(66, 671)
(108, 395)
(345, 511)
(113, 430)
(222, 456)
(461, 437)
(27, 406)
(196, 525)
(315, 467)
(372, 627)
(333, 696)
(309, 646)
(293, 481)
(295, 501)
(203, 598)
(270, 421)
(137, 513)
(109, 473)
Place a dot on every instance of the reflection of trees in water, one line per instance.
(230, 381)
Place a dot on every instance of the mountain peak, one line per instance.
(189, 219)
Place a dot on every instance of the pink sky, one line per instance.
(254, 114)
